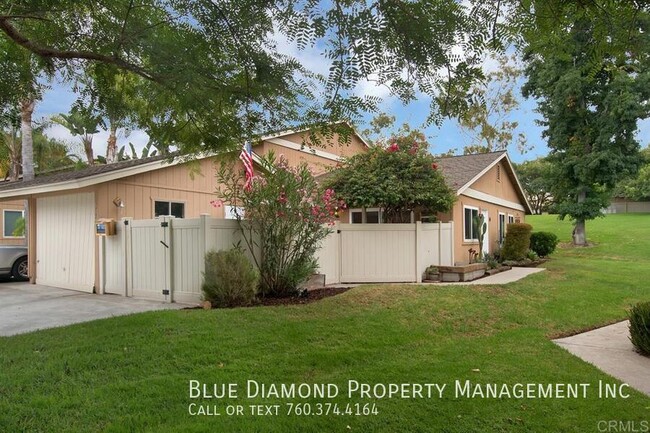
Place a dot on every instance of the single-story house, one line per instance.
(484, 183)
(10, 213)
(63, 207)
(487, 184)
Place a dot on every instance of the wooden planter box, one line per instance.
(462, 273)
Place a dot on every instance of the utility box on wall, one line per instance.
(105, 227)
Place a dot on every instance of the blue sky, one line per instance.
(59, 98)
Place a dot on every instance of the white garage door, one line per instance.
(65, 241)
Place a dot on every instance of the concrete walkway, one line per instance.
(610, 349)
(28, 307)
(514, 274)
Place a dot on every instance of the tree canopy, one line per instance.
(399, 178)
(590, 107)
(537, 177)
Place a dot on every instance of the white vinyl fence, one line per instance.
(163, 259)
(385, 253)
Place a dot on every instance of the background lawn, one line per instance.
(131, 373)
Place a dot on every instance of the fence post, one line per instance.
(337, 237)
(128, 256)
(452, 238)
(203, 240)
(102, 265)
(439, 243)
(418, 247)
(169, 262)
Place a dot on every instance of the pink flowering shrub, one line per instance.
(287, 215)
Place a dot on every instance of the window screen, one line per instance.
(11, 218)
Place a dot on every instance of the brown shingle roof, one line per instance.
(458, 170)
(92, 170)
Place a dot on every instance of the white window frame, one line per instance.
(502, 227)
(510, 217)
(4, 222)
(164, 200)
(230, 215)
(478, 212)
(379, 211)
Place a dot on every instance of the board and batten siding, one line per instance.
(180, 183)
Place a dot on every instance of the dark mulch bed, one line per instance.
(311, 296)
(307, 298)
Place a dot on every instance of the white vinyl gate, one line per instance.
(65, 241)
(163, 259)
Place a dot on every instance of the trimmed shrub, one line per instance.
(543, 243)
(229, 279)
(517, 241)
(640, 327)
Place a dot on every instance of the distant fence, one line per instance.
(163, 259)
(628, 207)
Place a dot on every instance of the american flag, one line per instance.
(246, 157)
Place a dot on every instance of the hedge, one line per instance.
(640, 327)
(517, 241)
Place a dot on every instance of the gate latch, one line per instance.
(164, 224)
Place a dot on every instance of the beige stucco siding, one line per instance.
(334, 144)
(18, 205)
(461, 247)
(501, 187)
(319, 164)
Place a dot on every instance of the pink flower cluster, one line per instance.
(329, 211)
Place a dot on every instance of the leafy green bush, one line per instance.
(517, 242)
(640, 327)
(543, 243)
(532, 255)
(491, 260)
(229, 279)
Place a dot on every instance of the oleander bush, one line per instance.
(640, 327)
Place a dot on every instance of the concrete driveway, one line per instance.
(28, 307)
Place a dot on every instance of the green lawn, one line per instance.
(131, 373)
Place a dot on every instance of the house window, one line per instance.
(511, 219)
(231, 212)
(470, 216)
(373, 216)
(10, 220)
(502, 227)
(169, 208)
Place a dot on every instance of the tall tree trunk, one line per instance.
(26, 111)
(88, 148)
(111, 147)
(579, 232)
(14, 154)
